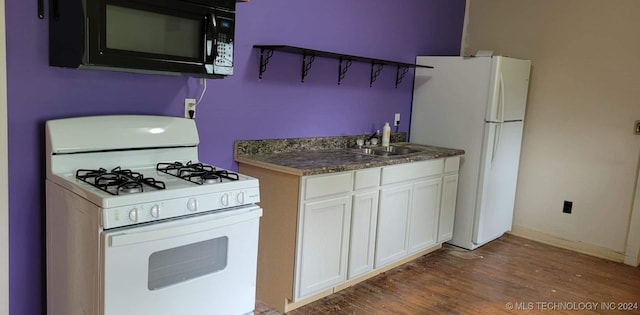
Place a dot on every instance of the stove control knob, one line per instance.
(224, 200)
(155, 211)
(192, 205)
(133, 215)
(240, 197)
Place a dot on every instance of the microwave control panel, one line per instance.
(224, 59)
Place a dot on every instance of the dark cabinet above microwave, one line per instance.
(177, 37)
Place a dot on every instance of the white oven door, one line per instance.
(192, 266)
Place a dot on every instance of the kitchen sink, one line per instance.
(365, 151)
(376, 151)
(398, 150)
(386, 151)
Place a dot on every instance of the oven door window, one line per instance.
(172, 266)
(135, 30)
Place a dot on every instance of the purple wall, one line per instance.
(239, 107)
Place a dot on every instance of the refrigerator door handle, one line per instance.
(496, 143)
(496, 140)
(501, 99)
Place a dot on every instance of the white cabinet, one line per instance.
(393, 212)
(326, 185)
(448, 200)
(411, 171)
(323, 239)
(353, 222)
(367, 178)
(408, 214)
(323, 232)
(364, 220)
(423, 219)
(364, 217)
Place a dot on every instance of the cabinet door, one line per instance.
(391, 237)
(318, 186)
(447, 207)
(423, 218)
(364, 217)
(322, 245)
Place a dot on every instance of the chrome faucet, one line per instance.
(373, 135)
(367, 140)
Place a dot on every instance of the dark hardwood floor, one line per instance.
(511, 275)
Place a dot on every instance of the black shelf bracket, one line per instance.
(265, 56)
(307, 61)
(343, 66)
(41, 9)
(309, 55)
(400, 74)
(376, 68)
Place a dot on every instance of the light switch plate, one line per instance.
(636, 128)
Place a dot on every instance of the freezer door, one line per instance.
(449, 103)
(498, 179)
(509, 86)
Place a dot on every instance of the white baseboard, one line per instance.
(558, 241)
(632, 250)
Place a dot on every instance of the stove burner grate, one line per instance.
(117, 180)
(197, 173)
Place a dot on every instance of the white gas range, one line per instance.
(137, 225)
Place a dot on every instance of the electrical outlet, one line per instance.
(396, 119)
(190, 108)
(636, 128)
(566, 208)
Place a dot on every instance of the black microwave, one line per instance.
(193, 38)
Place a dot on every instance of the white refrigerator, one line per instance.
(476, 104)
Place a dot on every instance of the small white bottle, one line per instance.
(386, 134)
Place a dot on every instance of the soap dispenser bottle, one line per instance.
(386, 134)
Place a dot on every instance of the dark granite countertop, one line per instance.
(313, 156)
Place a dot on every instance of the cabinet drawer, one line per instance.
(404, 172)
(367, 178)
(325, 185)
(452, 164)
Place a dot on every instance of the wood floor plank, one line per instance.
(508, 276)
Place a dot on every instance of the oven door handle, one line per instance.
(124, 239)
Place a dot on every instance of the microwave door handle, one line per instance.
(210, 44)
